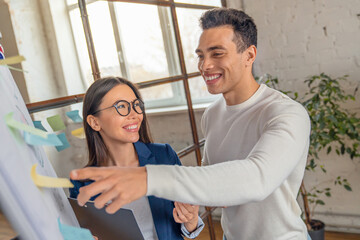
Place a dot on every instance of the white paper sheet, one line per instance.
(33, 212)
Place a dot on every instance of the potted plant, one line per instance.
(333, 128)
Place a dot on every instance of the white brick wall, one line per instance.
(299, 38)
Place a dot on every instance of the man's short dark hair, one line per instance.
(245, 33)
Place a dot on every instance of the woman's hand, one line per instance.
(187, 214)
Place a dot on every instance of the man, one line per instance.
(256, 145)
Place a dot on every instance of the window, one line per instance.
(138, 42)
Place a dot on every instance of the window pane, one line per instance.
(104, 40)
(216, 3)
(199, 90)
(71, 2)
(80, 42)
(190, 32)
(103, 37)
(157, 92)
(143, 41)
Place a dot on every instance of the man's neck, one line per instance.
(242, 92)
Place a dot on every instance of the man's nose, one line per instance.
(206, 64)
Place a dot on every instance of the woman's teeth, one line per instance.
(131, 127)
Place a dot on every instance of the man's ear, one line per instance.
(93, 122)
(250, 55)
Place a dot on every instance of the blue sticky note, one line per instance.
(64, 141)
(51, 140)
(38, 125)
(74, 233)
(74, 115)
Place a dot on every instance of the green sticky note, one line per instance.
(15, 133)
(56, 123)
(15, 125)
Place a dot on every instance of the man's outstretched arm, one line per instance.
(118, 185)
(281, 147)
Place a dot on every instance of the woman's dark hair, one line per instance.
(245, 32)
(98, 152)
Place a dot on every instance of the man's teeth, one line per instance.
(131, 127)
(209, 78)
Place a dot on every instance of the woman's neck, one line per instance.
(123, 154)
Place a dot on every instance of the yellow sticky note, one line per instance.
(12, 60)
(79, 133)
(49, 182)
(11, 122)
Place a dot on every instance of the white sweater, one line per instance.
(257, 153)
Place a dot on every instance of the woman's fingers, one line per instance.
(188, 210)
(183, 213)
(176, 217)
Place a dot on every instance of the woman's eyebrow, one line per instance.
(119, 100)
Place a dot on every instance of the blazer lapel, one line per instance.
(144, 154)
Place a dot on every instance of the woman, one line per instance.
(117, 134)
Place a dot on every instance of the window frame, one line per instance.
(170, 47)
(184, 77)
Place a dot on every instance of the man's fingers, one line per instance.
(120, 185)
(110, 193)
(115, 205)
(93, 173)
(104, 198)
(86, 192)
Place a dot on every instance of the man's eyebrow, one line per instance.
(217, 47)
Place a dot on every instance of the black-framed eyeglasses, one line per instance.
(123, 107)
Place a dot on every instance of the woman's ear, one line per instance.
(93, 122)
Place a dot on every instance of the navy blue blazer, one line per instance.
(161, 209)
